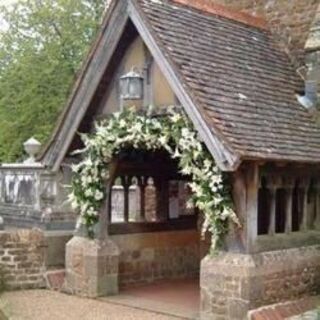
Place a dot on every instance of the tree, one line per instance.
(40, 54)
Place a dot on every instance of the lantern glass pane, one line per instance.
(135, 88)
(140, 84)
(124, 87)
(131, 87)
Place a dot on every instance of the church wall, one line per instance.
(290, 21)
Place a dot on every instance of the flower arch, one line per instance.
(175, 134)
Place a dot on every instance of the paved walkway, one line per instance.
(180, 298)
(310, 315)
(50, 305)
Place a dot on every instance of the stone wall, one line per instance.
(55, 243)
(290, 21)
(146, 257)
(100, 267)
(22, 257)
(232, 284)
(313, 42)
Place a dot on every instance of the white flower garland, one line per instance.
(175, 134)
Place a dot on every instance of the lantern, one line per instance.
(131, 86)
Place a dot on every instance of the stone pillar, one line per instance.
(232, 284)
(225, 287)
(91, 267)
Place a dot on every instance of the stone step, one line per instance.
(286, 310)
(55, 279)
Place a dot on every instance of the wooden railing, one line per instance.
(139, 196)
(288, 203)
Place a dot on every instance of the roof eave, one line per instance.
(77, 105)
(226, 159)
(58, 146)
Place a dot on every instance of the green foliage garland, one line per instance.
(173, 133)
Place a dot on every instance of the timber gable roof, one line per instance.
(233, 81)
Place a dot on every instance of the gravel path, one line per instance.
(49, 305)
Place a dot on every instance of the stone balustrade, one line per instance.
(32, 196)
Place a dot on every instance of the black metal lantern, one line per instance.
(131, 86)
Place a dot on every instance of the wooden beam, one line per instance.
(225, 158)
(184, 223)
(162, 196)
(252, 185)
(288, 184)
(236, 240)
(288, 225)
(304, 187)
(86, 88)
(272, 221)
(142, 186)
(126, 182)
(105, 211)
(317, 206)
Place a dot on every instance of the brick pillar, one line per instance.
(91, 267)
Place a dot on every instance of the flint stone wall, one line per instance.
(232, 284)
(22, 259)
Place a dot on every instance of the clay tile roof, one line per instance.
(228, 65)
(240, 80)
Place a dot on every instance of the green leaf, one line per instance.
(40, 55)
